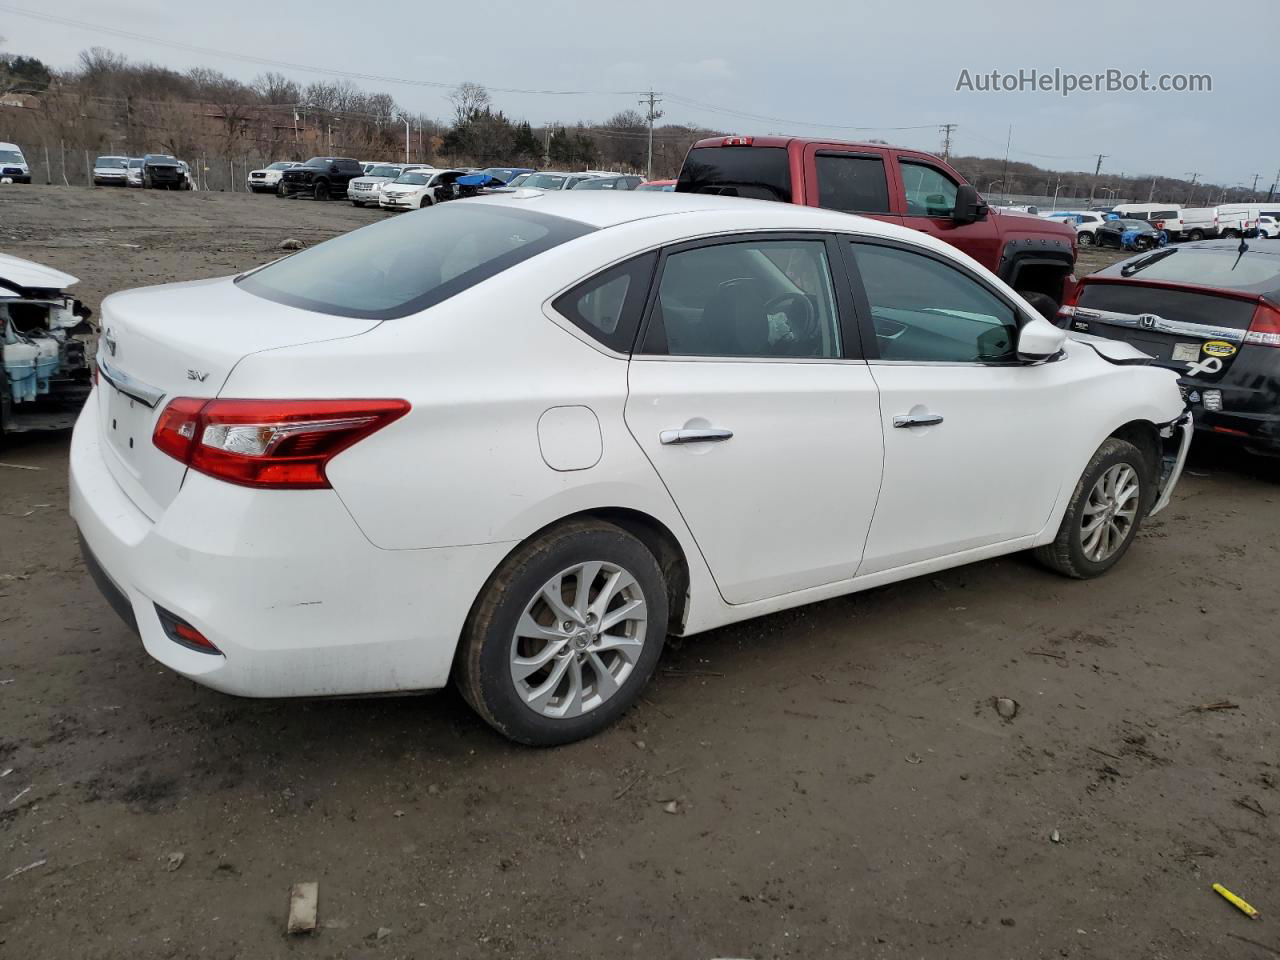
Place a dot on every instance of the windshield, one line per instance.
(135, 162)
(1134, 224)
(602, 183)
(280, 165)
(407, 264)
(111, 162)
(519, 181)
(668, 187)
(415, 178)
(318, 162)
(11, 156)
(159, 158)
(545, 181)
(757, 172)
(384, 172)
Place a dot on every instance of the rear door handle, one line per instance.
(918, 420)
(694, 436)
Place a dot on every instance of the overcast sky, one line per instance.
(871, 63)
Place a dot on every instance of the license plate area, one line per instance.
(1188, 352)
(126, 425)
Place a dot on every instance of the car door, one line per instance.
(748, 394)
(969, 458)
(852, 181)
(929, 204)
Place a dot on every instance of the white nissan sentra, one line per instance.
(518, 440)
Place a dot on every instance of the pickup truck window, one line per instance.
(930, 192)
(851, 183)
(926, 311)
(760, 173)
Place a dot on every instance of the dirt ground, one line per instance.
(843, 785)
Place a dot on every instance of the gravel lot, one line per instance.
(844, 786)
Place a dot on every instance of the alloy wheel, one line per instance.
(1110, 512)
(578, 640)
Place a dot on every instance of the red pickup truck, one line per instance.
(1033, 255)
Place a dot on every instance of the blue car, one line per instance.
(506, 174)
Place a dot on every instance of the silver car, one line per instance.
(110, 170)
(368, 189)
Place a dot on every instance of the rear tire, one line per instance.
(1080, 550)
(1230, 234)
(1195, 235)
(1085, 239)
(591, 660)
(1045, 305)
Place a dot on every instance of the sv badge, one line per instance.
(197, 375)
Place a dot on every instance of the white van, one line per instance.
(1237, 218)
(13, 165)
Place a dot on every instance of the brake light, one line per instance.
(284, 444)
(1159, 224)
(1068, 308)
(737, 141)
(1264, 328)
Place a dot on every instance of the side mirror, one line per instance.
(970, 208)
(1040, 340)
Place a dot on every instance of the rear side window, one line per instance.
(761, 173)
(401, 266)
(609, 305)
(852, 184)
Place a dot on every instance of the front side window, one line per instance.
(761, 298)
(924, 310)
(930, 192)
(851, 183)
(608, 306)
(407, 264)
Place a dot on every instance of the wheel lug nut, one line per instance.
(568, 624)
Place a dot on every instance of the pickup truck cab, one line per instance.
(320, 178)
(909, 187)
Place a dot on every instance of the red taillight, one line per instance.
(268, 443)
(1264, 328)
(1068, 308)
(737, 141)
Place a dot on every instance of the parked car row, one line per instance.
(155, 171)
(1228, 221)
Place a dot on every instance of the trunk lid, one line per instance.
(183, 340)
(1196, 333)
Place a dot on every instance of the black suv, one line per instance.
(320, 178)
(162, 172)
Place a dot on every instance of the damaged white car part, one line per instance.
(48, 344)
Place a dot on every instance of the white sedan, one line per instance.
(417, 188)
(517, 440)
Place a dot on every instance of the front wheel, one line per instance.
(1108, 505)
(320, 191)
(564, 635)
(1142, 243)
(1195, 235)
(1230, 234)
(426, 202)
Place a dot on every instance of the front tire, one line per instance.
(1142, 243)
(564, 635)
(320, 191)
(1108, 505)
(1085, 239)
(1195, 235)
(426, 202)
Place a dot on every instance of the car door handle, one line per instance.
(918, 420)
(694, 436)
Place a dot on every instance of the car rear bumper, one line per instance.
(295, 598)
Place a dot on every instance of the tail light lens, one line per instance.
(284, 444)
(1264, 328)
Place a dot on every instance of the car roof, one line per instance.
(604, 209)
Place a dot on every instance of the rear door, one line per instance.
(929, 204)
(852, 181)
(749, 397)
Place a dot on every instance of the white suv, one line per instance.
(517, 440)
(368, 189)
(416, 188)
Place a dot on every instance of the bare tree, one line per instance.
(468, 99)
(275, 87)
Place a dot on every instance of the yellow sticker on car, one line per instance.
(1219, 348)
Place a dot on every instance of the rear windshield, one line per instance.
(404, 265)
(1254, 272)
(384, 172)
(757, 172)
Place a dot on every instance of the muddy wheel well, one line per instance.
(1143, 435)
(662, 543)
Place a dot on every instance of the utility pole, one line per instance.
(1194, 174)
(1271, 194)
(946, 129)
(1093, 187)
(546, 144)
(396, 116)
(652, 100)
(1151, 195)
(1254, 189)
